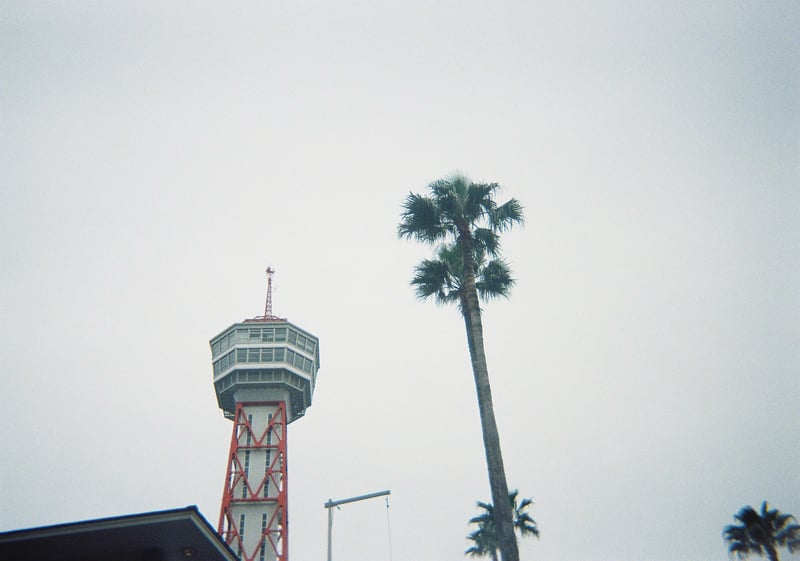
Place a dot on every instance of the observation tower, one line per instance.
(264, 374)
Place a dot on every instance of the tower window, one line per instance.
(263, 533)
(267, 472)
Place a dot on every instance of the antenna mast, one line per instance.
(268, 307)
(268, 315)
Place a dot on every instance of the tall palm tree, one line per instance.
(465, 217)
(762, 533)
(484, 537)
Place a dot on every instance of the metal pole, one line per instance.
(331, 503)
(330, 527)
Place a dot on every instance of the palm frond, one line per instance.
(507, 215)
(482, 519)
(421, 220)
(453, 185)
(789, 535)
(525, 504)
(432, 277)
(741, 550)
(479, 201)
(451, 254)
(485, 543)
(487, 516)
(526, 529)
(449, 194)
(494, 280)
(486, 240)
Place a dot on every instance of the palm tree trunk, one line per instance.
(506, 540)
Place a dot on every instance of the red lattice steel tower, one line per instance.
(265, 369)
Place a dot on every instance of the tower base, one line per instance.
(254, 518)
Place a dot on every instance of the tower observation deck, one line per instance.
(265, 369)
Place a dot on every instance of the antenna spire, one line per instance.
(268, 306)
(268, 315)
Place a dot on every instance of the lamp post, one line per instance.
(331, 503)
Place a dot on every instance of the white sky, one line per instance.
(157, 156)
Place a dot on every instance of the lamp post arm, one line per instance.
(331, 503)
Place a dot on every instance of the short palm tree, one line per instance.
(762, 533)
(464, 217)
(484, 538)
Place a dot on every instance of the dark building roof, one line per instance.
(168, 535)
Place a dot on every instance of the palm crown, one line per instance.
(459, 208)
(463, 217)
(443, 277)
(485, 539)
(762, 533)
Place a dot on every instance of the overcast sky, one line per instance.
(157, 156)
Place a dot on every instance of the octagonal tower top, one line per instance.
(265, 358)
